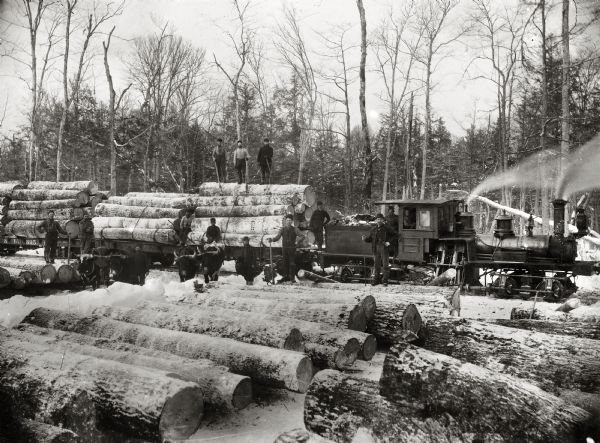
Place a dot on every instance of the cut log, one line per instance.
(18, 281)
(29, 228)
(162, 236)
(235, 239)
(65, 274)
(193, 201)
(393, 320)
(4, 209)
(222, 390)
(26, 276)
(45, 273)
(324, 356)
(308, 213)
(314, 277)
(300, 436)
(550, 361)
(215, 322)
(242, 225)
(158, 194)
(578, 329)
(480, 400)
(72, 228)
(82, 198)
(5, 277)
(88, 186)
(142, 402)
(42, 214)
(338, 404)
(307, 193)
(28, 431)
(583, 313)
(112, 210)
(343, 316)
(241, 211)
(7, 187)
(133, 223)
(43, 204)
(443, 278)
(300, 208)
(273, 367)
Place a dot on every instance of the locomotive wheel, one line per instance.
(511, 287)
(345, 275)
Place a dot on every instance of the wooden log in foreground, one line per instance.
(393, 320)
(44, 273)
(324, 356)
(65, 274)
(222, 390)
(27, 431)
(580, 329)
(338, 405)
(112, 210)
(299, 435)
(339, 315)
(223, 323)
(269, 366)
(479, 399)
(235, 239)
(81, 198)
(582, 313)
(550, 361)
(314, 277)
(88, 186)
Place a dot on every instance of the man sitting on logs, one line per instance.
(289, 233)
(380, 237)
(246, 265)
(212, 259)
(213, 231)
(240, 159)
(86, 234)
(52, 228)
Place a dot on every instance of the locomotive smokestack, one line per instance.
(559, 216)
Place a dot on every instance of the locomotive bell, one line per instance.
(504, 226)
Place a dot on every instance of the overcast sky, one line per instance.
(203, 22)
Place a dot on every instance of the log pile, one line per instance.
(24, 208)
(256, 213)
(23, 272)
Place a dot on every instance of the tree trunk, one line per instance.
(479, 399)
(300, 436)
(560, 362)
(133, 224)
(571, 328)
(221, 389)
(338, 405)
(407, 151)
(5, 277)
(28, 228)
(343, 316)
(42, 214)
(544, 121)
(46, 273)
(192, 201)
(223, 323)
(427, 135)
(25, 430)
(316, 278)
(89, 186)
(142, 402)
(65, 274)
(324, 356)
(111, 210)
(273, 367)
(162, 236)
(7, 187)
(306, 192)
(368, 158)
(582, 313)
(243, 225)
(44, 205)
(393, 320)
(35, 196)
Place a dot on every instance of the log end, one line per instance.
(182, 414)
(48, 274)
(357, 320)
(242, 394)
(65, 274)
(369, 347)
(345, 358)
(411, 320)
(294, 341)
(304, 374)
(368, 303)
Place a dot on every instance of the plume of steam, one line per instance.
(582, 172)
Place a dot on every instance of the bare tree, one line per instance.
(292, 49)
(431, 17)
(94, 21)
(390, 46)
(566, 78)
(368, 156)
(242, 45)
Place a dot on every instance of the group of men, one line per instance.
(241, 159)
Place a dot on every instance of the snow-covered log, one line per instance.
(299, 435)
(270, 366)
(302, 273)
(142, 402)
(339, 315)
(222, 390)
(88, 186)
(578, 329)
(393, 320)
(29, 228)
(162, 236)
(215, 322)
(479, 399)
(25, 431)
(158, 194)
(7, 187)
(307, 193)
(81, 197)
(43, 204)
(133, 223)
(45, 273)
(582, 313)
(242, 225)
(42, 214)
(193, 201)
(114, 210)
(235, 239)
(242, 211)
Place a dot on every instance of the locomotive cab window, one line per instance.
(424, 219)
(409, 218)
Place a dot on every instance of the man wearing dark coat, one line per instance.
(318, 220)
(86, 234)
(289, 234)
(265, 160)
(246, 265)
(52, 228)
(380, 238)
(213, 231)
(140, 266)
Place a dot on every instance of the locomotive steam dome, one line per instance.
(504, 226)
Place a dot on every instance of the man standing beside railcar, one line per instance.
(380, 237)
(318, 220)
(290, 234)
(52, 228)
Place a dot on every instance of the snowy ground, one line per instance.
(275, 411)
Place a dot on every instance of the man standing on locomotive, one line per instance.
(380, 237)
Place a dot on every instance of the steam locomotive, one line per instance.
(439, 234)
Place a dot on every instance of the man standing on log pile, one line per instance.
(140, 266)
(318, 220)
(290, 235)
(240, 159)
(52, 228)
(220, 158)
(265, 160)
(213, 231)
(380, 237)
(86, 234)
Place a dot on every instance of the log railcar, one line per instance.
(439, 234)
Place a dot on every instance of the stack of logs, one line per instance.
(254, 211)
(466, 380)
(23, 208)
(150, 369)
(26, 271)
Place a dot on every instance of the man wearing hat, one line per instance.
(240, 159)
(265, 160)
(86, 234)
(318, 220)
(220, 157)
(289, 234)
(246, 264)
(52, 228)
(380, 237)
(391, 220)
